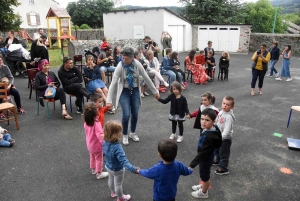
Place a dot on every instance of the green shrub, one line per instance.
(85, 26)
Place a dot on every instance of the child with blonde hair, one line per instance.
(116, 160)
(94, 139)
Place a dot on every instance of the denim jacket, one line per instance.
(92, 73)
(115, 157)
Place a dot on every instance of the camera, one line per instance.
(258, 52)
(150, 43)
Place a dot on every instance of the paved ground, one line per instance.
(50, 160)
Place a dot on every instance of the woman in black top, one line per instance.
(224, 65)
(40, 51)
(11, 38)
(45, 79)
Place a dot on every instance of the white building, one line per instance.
(138, 23)
(33, 12)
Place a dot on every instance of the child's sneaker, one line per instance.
(172, 136)
(124, 198)
(197, 187)
(221, 172)
(11, 144)
(185, 84)
(125, 140)
(112, 110)
(94, 171)
(113, 195)
(276, 74)
(101, 175)
(199, 194)
(215, 163)
(180, 138)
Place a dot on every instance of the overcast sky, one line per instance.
(149, 3)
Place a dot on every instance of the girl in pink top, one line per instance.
(94, 139)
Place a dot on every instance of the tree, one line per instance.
(261, 16)
(212, 11)
(9, 20)
(292, 17)
(89, 12)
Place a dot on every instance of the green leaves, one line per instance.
(9, 20)
(89, 12)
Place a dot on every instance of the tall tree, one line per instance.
(212, 11)
(9, 20)
(261, 16)
(89, 12)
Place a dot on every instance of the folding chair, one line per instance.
(188, 72)
(31, 76)
(47, 100)
(296, 108)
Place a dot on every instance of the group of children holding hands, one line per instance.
(216, 128)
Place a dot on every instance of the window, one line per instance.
(31, 1)
(33, 19)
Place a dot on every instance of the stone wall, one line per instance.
(195, 37)
(283, 39)
(76, 47)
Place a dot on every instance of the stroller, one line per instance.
(87, 52)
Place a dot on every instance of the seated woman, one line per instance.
(153, 69)
(45, 79)
(174, 62)
(198, 70)
(11, 38)
(40, 51)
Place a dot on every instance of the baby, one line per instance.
(5, 139)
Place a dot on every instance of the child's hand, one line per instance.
(5, 131)
(137, 170)
(188, 116)
(190, 168)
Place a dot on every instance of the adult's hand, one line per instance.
(157, 96)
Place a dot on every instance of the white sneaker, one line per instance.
(199, 194)
(125, 140)
(101, 175)
(146, 94)
(94, 171)
(172, 136)
(112, 110)
(278, 79)
(276, 74)
(197, 187)
(124, 198)
(134, 137)
(289, 79)
(166, 84)
(180, 138)
(269, 75)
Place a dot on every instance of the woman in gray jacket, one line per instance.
(125, 83)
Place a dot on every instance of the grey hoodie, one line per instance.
(224, 121)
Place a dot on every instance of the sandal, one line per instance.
(65, 115)
(260, 93)
(21, 111)
(252, 93)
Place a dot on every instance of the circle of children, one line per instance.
(215, 130)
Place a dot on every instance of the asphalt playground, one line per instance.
(50, 160)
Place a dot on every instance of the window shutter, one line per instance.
(38, 21)
(28, 18)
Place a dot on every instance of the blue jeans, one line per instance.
(4, 142)
(172, 76)
(273, 62)
(222, 154)
(130, 103)
(107, 68)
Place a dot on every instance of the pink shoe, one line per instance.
(113, 195)
(124, 198)
(185, 84)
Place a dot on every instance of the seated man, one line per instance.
(150, 45)
(168, 68)
(106, 61)
(71, 79)
(39, 34)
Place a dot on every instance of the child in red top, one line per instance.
(98, 100)
(104, 44)
(200, 58)
(94, 139)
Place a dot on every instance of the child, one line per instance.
(224, 65)
(167, 172)
(210, 60)
(210, 139)
(179, 108)
(98, 100)
(200, 58)
(94, 139)
(5, 138)
(207, 101)
(9, 85)
(116, 161)
(225, 123)
(174, 62)
(104, 44)
(209, 48)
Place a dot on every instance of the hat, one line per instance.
(209, 42)
(275, 42)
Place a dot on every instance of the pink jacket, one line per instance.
(94, 137)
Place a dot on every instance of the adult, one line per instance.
(153, 69)
(275, 53)
(117, 55)
(5, 72)
(126, 86)
(106, 61)
(166, 41)
(168, 68)
(45, 79)
(11, 38)
(198, 70)
(38, 34)
(224, 65)
(285, 67)
(260, 60)
(150, 45)
(34, 45)
(209, 48)
(71, 79)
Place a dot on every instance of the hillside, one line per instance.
(288, 6)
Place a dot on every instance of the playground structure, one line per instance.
(63, 27)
